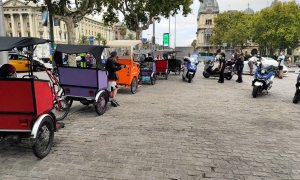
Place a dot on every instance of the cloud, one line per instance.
(186, 27)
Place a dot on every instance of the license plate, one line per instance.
(191, 73)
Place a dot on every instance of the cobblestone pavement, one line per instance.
(174, 130)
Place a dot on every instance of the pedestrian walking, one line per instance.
(112, 67)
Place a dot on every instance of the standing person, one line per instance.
(281, 59)
(240, 66)
(112, 67)
(221, 58)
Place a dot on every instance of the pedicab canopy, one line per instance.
(96, 51)
(124, 48)
(9, 43)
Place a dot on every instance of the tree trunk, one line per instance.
(70, 29)
(138, 33)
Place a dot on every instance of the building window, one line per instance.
(60, 36)
(41, 34)
(20, 35)
(19, 25)
(64, 26)
(28, 25)
(65, 36)
(10, 34)
(28, 34)
(10, 25)
(208, 22)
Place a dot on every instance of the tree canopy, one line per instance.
(273, 28)
(278, 27)
(71, 12)
(140, 14)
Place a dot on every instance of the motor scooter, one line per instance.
(263, 79)
(210, 71)
(297, 93)
(189, 69)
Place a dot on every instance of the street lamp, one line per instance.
(3, 55)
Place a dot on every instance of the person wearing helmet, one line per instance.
(8, 71)
(221, 58)
(112, 67)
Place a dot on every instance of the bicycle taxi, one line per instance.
(128, 77)
(88, 85)
(147, 66)
(27, 103)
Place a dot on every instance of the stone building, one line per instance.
(208, 11)
(25, 20)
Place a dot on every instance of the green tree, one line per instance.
(98, 38)
(83, 40)
(138, 15)
(130, 37)
(194, 43)
(71, 12)
(232, 27)
(123, 31)
(278, 27)
(104, 41)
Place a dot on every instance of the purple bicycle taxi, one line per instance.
(88, 85)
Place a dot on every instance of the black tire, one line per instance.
(44, 140)
(229, 77)
(206, 75)
(134, 85)
(190, 78)
(62, 112)
(255, 91)
(101, 103)
(153, 80)
(85, 102)
(177, 71)
(296, 97)
(166, 76)
(69, 101)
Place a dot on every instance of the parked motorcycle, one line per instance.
(209, 69)
(297, 93)
(263, 79)
(189, 69)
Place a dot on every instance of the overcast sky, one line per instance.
(186, 27)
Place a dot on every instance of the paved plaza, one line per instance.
(174, 130)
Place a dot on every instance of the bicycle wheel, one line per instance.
(61, 110)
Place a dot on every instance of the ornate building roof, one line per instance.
(209, 7)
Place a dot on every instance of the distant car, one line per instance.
(21, 63)
(266, 61)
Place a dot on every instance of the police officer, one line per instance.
(221, 66)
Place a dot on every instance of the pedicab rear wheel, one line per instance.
(177, 71)
(61, 111)
(153, 79)
(44, 139)
(100, 104)
(134, 85)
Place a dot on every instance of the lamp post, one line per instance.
(3, 55)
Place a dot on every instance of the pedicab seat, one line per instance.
(22, 101)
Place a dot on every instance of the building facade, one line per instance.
(25, 20)
(208, 11)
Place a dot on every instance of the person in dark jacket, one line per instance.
(112, 67)
(240, 66)
(222, 62)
